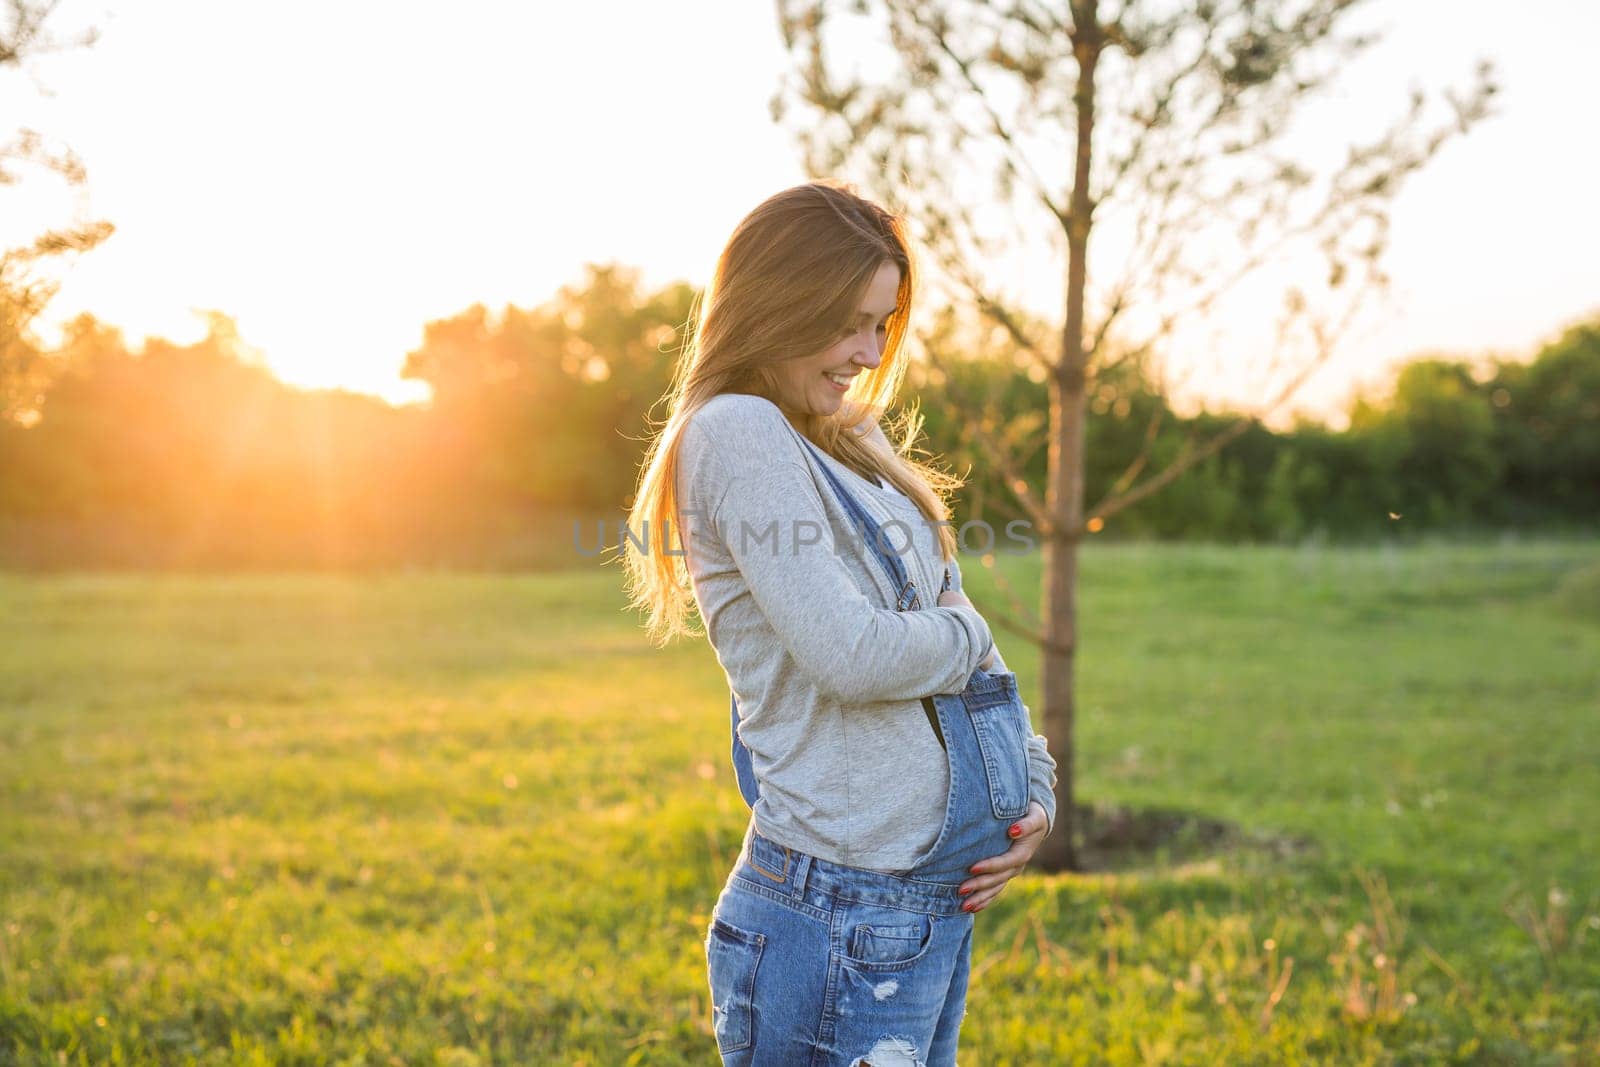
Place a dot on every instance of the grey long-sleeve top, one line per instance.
(829, 677)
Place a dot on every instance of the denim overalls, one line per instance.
(815, 964)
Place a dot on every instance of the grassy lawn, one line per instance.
(470, 819)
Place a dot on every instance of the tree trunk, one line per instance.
(1064, 486)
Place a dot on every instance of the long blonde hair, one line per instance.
(787, 284)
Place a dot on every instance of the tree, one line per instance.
(1161, 123)
(24, 290)
(550, 399)
(1547, 415)
(1438, 426)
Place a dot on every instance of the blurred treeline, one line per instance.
(196, 456)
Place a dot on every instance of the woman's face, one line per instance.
(816, 385)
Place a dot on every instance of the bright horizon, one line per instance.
(335, 176)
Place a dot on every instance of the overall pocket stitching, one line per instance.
(865, 935)
(739, 954)
(745, 885)
(892, 965)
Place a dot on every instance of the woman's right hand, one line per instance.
(950, 598)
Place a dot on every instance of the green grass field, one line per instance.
(418, 819)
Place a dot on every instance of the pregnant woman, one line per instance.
(894, 778)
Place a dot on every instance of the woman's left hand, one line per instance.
(993, 873)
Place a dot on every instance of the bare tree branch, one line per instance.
(1017, 157)
(22, 33)
(1029, 633)
(1192, 455)
(994, 309)
(1003, 457)
(1147, 446)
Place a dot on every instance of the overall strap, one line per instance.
(905, 589)
(907, 598)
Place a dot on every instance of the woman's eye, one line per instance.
(849, 331)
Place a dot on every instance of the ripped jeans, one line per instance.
(836, 965)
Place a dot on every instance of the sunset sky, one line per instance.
(336, 175)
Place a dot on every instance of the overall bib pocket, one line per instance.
(732, 956)
(1000, 721)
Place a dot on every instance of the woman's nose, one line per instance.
(868, 355)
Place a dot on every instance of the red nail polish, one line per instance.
(1015, 830)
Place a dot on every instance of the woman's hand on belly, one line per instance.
(993, 873)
